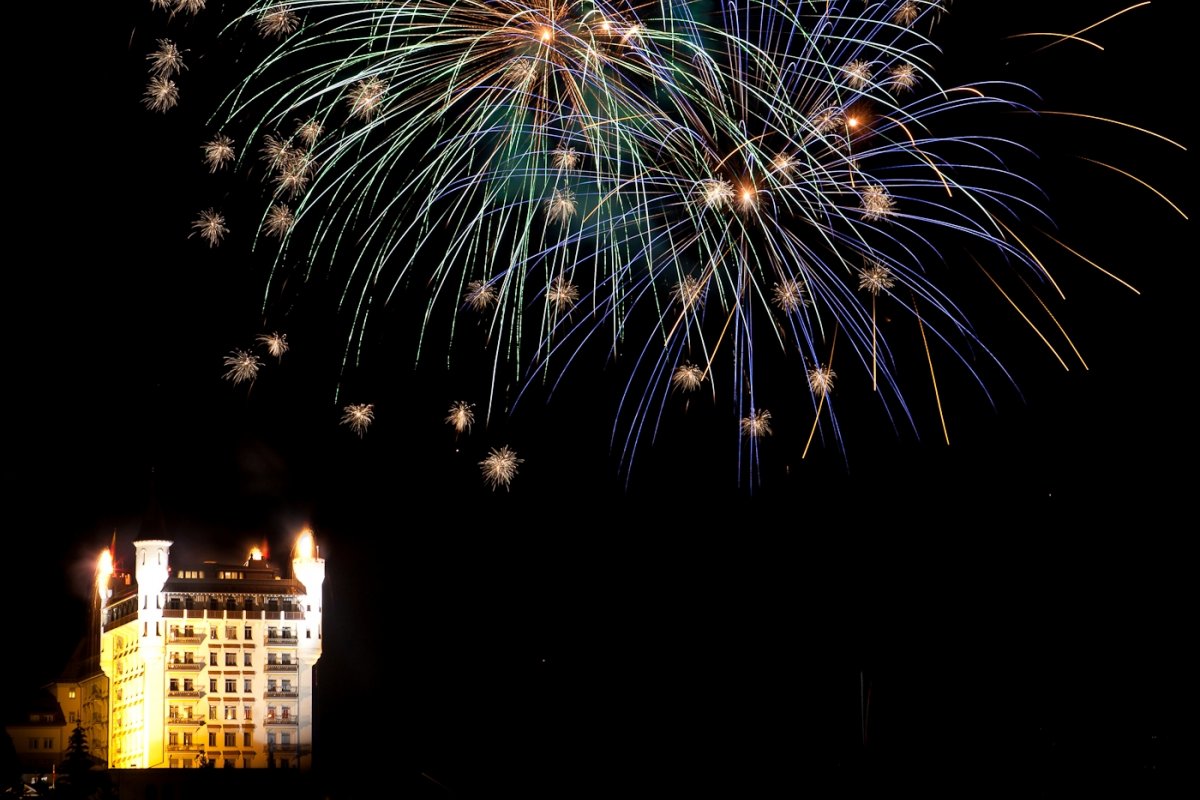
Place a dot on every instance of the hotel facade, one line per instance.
(211, 664)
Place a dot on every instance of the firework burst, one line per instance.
(242, 366)
(210, 226)
(161, 94)
(276, 343)
(695, 169)
(166, 61)
(500, 467)
(757, 425)
(358, 416)
(461, 416)
(218, 152)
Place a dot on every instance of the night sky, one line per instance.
(1012, 605)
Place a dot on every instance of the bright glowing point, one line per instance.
(255, 554)
(305, 547)
(104, 569)
(547, 34)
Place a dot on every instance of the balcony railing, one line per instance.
(281, 641)
(282, 693)
(195, 693)
(185, 748)
(193, 721)
(282, 667)
(183, 638)
(281, 721)
(193, 666)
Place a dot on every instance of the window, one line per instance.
(287, 658)
(189, 658)
(270, 739)
(174, 684)
(287, 684)
(188, 685)
(71, 717)
(173, 713)
(270, 712)
(271, 685)
(230, 631)
(173, 739)
(212, 659)
(308, 633)
(231, 659)
(187, 740)
(230, 739)
(33, 744)
(188, 630)
(272, 658)
(230, 685)
(49, 743)
(245, 763)
(71, 694)
(247, 686)
(285, 738)
(212, 739)
(212, 632)
(173, 763)
(248, 712)
(247, 739)
(212, 685)
(287, 712)
(212, 710)
(248, 633)
(247, 661)
(229, 763)
(272, 633)
(231, 712)
(287, 633)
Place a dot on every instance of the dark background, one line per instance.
(1009, 608)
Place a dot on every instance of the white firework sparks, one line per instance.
(167, 60)
(366, 98)
(875, 279)
(820, 380)
(828, 120)
(858, 73)
(242, 366)
(359, 417)
(758, 424)
(276, 343)
(218, 152)
(279, 220)
(500, 467)
(461, 416)
(562, 294)
(876, 203)
(790, 295)
(480, 295)
(561, 205)
(277, 22)
(687, 377)
(161, 94)
(689, 292)
(714, 192)
(564, 158)
(904, 77)
(210, 225)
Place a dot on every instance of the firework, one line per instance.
(242, 366)
(359, 417)
(687, 377)
(210, 226)
(276, 343)
(277, 22)
(166, 61)
(161, 94)
(500, 467)
(279, 220)
(218, 152)
(758, 424)
(694, 170)
(461, 416)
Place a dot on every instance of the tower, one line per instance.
(309, 569)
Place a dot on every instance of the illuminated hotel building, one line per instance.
(211, 664)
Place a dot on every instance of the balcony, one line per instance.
(281, 641)
(281, 721)
(187, 666)
(185, 748)
(282, 667)
(282, 693)
(193, 693)
(182, 638)
(192, 721)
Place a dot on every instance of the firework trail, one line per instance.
(692, 187)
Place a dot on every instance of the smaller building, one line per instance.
(39, 733)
